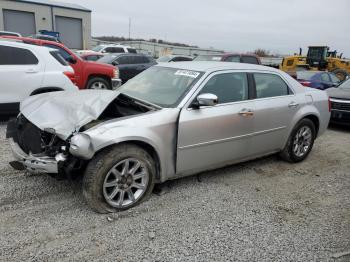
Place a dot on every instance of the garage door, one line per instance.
(71, 31)
(20, 22)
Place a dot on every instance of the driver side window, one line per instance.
(228, 87)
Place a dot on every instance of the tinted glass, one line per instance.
(63, 52)
(250, 60)
(108, 59)
(91, 58)
(325, 77)
(145, 59)
(124, 60)
(132, 50)
(161, 85)
(115, 50)
(59, 58)
(334, 78)
(228, 87)
(269, 85)
(235, 58)
(16, 56)
(137, 60)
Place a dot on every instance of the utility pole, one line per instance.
(129, 26)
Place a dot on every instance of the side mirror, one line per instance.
(206, 100)
(115, 63)
(71, 60)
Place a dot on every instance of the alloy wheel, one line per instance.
(98, 85)
(302, 141)
(125, 183)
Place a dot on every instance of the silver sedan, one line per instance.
(172, 120)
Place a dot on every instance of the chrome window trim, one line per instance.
(187, 101)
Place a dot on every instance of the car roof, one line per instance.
(23, 45)
(216, 66)
(125, 54)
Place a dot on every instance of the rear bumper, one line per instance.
(116, 82)
(32, 163)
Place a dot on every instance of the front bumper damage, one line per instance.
(31, 163)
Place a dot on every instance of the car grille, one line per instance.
(338, 105)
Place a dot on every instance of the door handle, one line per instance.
(31, 71)
(293, 104)
(246, 112)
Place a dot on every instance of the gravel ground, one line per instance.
(263, 210)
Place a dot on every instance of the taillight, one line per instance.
(305, 83)
(329, 104)
(71, 76)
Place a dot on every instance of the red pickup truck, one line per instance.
(88, 75)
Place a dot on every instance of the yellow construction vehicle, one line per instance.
(318, 58)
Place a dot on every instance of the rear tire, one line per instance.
(98, 83)
(109, 185)
(300, 142)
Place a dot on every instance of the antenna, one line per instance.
(129, 26)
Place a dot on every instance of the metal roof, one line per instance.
(55, 4)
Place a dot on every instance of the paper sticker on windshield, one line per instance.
(188, 73)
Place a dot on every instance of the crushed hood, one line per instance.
(66, 111)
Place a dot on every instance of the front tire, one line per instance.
(300, 142)
(98, 83)
(119, 178)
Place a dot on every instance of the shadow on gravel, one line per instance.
(339, 128)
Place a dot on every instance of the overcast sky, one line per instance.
(281, 26)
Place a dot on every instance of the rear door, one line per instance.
(215, 135)
(275, 106)
(20, 72)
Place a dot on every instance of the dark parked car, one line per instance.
(129, 65)
(174, 58)
(317, 79)
(340, 103)
(231, 57)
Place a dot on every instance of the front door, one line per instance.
(213, 136)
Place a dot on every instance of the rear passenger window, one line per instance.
(63, 52)
(250, 60)
(114, 50)
(124, 60)
(16, 56)
(228, 87)
(270, 85)
(59, 58)
(235, 58)
(132, 50)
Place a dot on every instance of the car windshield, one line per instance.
(208, 58)
(164, 58)
(345, 85)
(305, 75)
(97, 48)
(161, 86)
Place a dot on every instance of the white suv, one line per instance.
(27, 70)
(110, 49)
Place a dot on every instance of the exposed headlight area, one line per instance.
(81, 146)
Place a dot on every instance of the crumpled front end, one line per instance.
(38, 151)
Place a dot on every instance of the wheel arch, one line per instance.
(315, 120)
(150, 149)
(105, 77)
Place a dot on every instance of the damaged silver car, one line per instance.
(170, 121)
